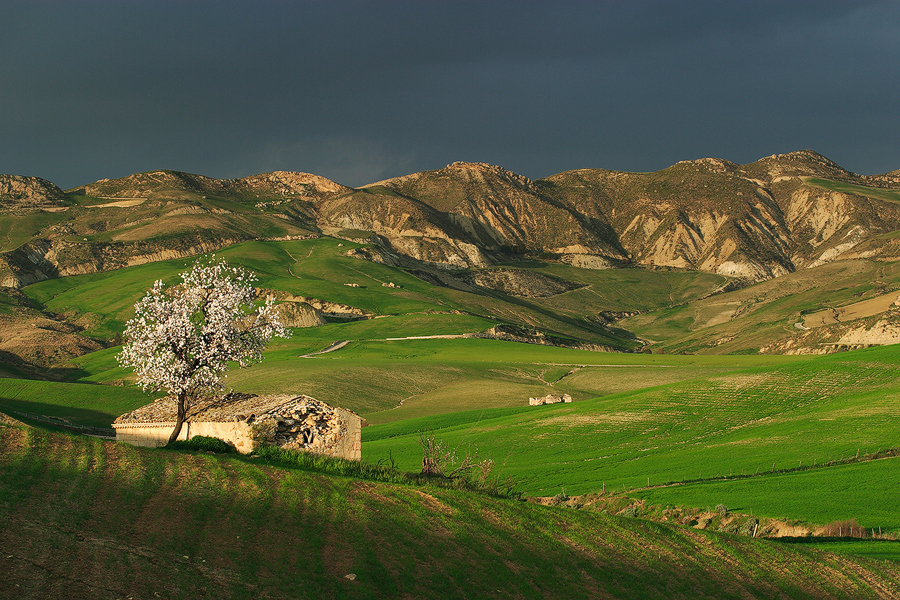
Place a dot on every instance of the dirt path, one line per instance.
(424, 337)
(291, 267)
(336, 345)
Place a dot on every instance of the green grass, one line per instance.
(813, 410)
(93, 405)
(854, 189)
(393, 380)
(182, 525)
(817, 496)
(874, 549)
(16, 230)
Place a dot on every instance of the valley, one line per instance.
(727, 334)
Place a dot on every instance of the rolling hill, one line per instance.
(90, 519)
(666, 304)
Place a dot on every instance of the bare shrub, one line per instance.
(442, 462)
(845, 529)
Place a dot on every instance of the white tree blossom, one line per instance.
(182, 337)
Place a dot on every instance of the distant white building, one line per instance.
(549, 399)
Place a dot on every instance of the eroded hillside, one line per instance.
(756, 221)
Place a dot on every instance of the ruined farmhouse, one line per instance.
(290, 421)
(549, 399)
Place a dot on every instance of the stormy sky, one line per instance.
(361, 91)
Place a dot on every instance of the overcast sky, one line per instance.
(361, 91)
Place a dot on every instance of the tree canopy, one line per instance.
(183, 336)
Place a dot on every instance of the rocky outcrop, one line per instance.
(486, 212)
(511, 333)
(18, 192)
(166, 184)
(879, 330)
(517, 282)
(300, 314)
(46, 259)
(326, 308)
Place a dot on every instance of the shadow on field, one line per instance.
(80, 416)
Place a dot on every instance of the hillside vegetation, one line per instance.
(144, 523)
(728, 334)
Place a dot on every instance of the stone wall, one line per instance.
(314, 427)
(302, 424)
(156, 435)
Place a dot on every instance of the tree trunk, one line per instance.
(179, 419)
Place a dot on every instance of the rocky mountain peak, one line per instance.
(802, 163)
(708, 165)
(480, 172)
(22, 192)
(293, 182)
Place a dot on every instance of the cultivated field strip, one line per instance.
(740, 423)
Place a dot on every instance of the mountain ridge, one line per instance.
(756, 221)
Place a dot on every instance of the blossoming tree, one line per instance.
(182, 337)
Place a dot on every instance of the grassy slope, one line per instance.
(94, 405)
(815, 496)
(813, 411)
(756, 316)
(374, 377)
(844, 187)
(91, 519)
(319, 268)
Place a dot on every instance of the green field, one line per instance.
(84, 404)
(636, 419)
(851, 188)
(816, 496)
(150, 523)
(803, 412)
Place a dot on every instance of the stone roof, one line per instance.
(233, 407)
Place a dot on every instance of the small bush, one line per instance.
(442, 466)
(560, 498)
(202, 443)
(722, 510)
(262, 431)
(630, 512)
(749, 527)
(731, 527)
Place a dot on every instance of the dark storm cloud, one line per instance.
(358, 91)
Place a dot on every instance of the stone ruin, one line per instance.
(302, 424)
(550, 399)
(292, 421)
